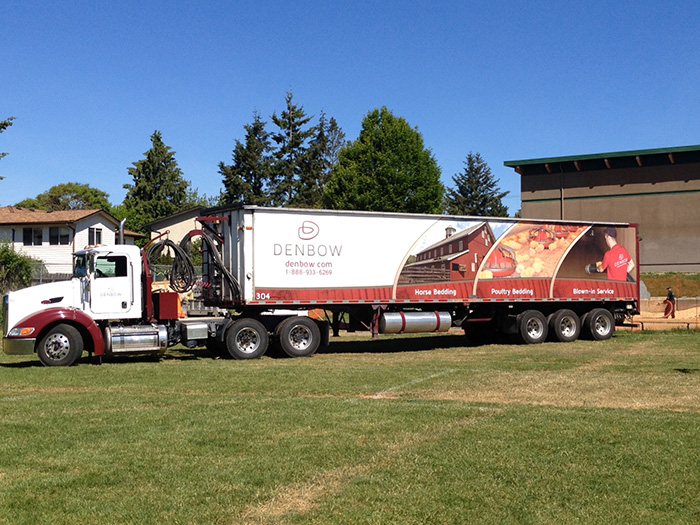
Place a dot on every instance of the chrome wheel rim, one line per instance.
(602, 325)
(535, 328)
(57, 346)
(248, 340)
(300, 337)
(567, 327)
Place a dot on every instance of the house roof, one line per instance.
(17, 215)
(606, 161)
(131, 233)
(174, 218)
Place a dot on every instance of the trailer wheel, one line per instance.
(532, 326)
(564, 325)
(298, 336)
(61, 346)
(247, 339)
(599, 324)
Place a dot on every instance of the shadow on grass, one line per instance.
(338, 345)
(179, 355)
(22, 364)
(394, 345)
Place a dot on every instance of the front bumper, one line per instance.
(24, 346)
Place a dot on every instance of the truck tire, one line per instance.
(564, 326)
(532, 327)
(61, 346)
(247, 339)
(298, 336)
(599, 324)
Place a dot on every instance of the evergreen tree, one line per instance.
(290, 155)
(69, 196)
(475, 191)
(320, 157)
(335, 141)
(193, 198)
(247, 180)
(4, 124)
(158, 190)
(387, 168)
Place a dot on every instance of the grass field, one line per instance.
(406, 430)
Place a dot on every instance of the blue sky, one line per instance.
(90, 81)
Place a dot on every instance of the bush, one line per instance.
(15, 269)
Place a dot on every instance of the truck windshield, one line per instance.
(79, 265)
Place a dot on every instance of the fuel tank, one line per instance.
(136, 339)
(414, 322)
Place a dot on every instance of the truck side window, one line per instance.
(111, 266)
(79, 266)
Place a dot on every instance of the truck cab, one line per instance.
(106, 284)
(110, 281)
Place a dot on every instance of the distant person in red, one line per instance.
(670, 303)
(616, 262)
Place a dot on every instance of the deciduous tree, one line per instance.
(69, 196)
(4, 124)
(475, 191)
(387, 168)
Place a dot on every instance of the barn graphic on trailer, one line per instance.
(457, 257)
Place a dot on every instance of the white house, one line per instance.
(52, 236)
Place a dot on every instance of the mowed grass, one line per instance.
(403, 430)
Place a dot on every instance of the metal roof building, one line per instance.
(659, 189)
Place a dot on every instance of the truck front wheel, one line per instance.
(247, 339)
(61, 346)
(298, 336)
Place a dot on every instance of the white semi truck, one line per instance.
(386, 272)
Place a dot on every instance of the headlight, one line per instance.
(20, 332)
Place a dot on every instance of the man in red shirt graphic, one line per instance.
(617, 263)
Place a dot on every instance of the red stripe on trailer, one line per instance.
(500, 290)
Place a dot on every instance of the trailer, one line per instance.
(266, 268)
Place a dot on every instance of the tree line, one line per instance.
(296, 161)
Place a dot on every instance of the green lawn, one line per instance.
(405, 430)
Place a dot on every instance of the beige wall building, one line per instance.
(657, 189)
(177, 225)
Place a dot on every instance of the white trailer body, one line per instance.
(320, 258)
